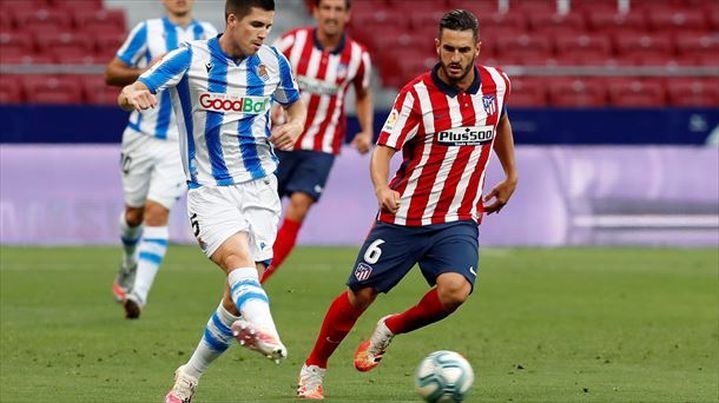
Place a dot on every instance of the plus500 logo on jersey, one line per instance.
(466, 136)
(227, 103)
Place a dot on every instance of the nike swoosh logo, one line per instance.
(471, 270)
(332, 341)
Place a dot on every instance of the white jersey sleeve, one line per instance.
(135, 46)
(287, 92)
(169, 71)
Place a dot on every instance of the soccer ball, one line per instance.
(444, 376)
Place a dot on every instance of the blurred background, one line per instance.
(614, 104)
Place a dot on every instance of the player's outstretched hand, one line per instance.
(388, 200)
(362, 142)
(501, 194)
(284, 136)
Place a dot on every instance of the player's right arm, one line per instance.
(119, 74)
(401, 126)
(123, 69)
(387, 198)
(136, 96)
(140, 95)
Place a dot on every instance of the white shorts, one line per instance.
(151, 170)
(219, 212)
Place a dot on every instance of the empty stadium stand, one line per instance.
(657, 34)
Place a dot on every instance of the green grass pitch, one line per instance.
(553, 325)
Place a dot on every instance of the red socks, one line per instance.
(427, 311)
(339, 320)
(286, 238)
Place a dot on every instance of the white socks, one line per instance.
(151, 252)
(129, 236)
(215, 341)
(250, 298)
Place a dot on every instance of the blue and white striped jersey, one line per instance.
(223, 109)
(151, 39)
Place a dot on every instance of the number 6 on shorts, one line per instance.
(373, 252)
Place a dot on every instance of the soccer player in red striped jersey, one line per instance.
(326, 62)
(446, 123)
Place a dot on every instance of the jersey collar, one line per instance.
(216, 49)
(451, 90)
(166, 21)
(335, 51)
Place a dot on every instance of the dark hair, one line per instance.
(241, 8)
(348, 3)
(459, 20)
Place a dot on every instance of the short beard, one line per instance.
(451, 79)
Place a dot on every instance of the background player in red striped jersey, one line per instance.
(326, 62)
(446, 123)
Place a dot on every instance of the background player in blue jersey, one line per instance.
(152, 177)
(222, 91)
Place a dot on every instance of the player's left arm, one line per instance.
(288, 95)
(365, 115)
(364, 106)
(285, 135)
(504, 148)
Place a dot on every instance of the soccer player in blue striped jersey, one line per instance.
(222, 90)
(152, 176)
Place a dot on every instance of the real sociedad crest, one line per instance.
(262, 72)
(490, 104)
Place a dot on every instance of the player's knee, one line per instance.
(156, 215)
(299, 206)
(453, 293)
(362, 298)
(134, 216)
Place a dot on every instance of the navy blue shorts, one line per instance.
(303, 171)
(390, 251)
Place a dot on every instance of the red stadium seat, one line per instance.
(97, 92)
(99, 20)
(419, 6)
(596, 44)
(672, 19)
(577, 93)
(506, 20)
(74, 56)
(15, 42)
(43, 18)
(603, 20)
(26, 58)
(14, 5)
(77, 4)
(54, 43)
(426, 18)
(713, 19)
(530, 7)
(664, 60)
(540, 22)
(528, 92)
(524, 44)
(593, 6)
(53, 91)
(366, 7)
(107, 44)
(6, 22)
(633, 44)
(480, 8)
(637, 93)
(693, 92)
(10, 91)
(692, 43)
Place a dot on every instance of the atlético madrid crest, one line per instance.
(490, 104)
(363, 271)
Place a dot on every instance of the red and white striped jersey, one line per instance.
(446, 137)
(323, 77)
